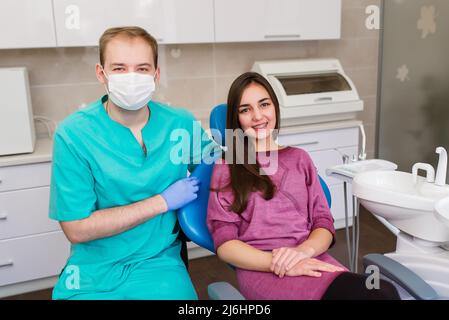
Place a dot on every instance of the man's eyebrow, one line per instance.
(124, 64)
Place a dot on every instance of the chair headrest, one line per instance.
(217, 121)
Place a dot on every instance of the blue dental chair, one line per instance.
(192, 217)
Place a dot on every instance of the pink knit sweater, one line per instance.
(298, 207)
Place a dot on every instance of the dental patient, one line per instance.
(275, 226)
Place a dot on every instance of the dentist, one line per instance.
(115, 186)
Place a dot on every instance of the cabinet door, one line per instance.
(276, 20)
(239, 20)
(33, 257)
(325, 139)
(319, 19)
(82, 22)
(26, 24)
(25, 212)
(189, 21)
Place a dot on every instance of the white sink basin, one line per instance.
(406, 204)
(442, 211)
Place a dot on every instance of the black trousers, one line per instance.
(352, 286)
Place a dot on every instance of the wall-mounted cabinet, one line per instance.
(276, 20)
(26, 24)
(78, 23)
(81, 22)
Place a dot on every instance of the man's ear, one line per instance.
(157, 75)
(100, 74)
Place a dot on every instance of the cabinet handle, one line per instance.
(307, 143)
(323, 99)
(276, 36)
(3, 216)
(160, 39)
(8, 263)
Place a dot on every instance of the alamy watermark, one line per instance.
(197, 146)
(72, 17)
(72, 281)
(372, 21)
(373, 279)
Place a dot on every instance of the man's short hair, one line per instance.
(130, 32)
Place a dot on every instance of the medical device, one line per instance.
(349, 170)
(416, 207)
(346, 172)
(311, 90)
(17, 134)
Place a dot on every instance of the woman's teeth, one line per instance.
(260, 126)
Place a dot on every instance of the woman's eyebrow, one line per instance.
(260, 101)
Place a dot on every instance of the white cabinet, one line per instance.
(33, 248)
(82, 22)
(26, 24)
(277, 20)
(69, 23)
(326, 147)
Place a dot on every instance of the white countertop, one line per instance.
(42, 153)
(44, 146)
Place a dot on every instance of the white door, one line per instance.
(26, 24)
(276, 20)
(82, 22)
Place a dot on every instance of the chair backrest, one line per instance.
(217, 122)
(192, 217)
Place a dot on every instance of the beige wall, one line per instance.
(197, 77)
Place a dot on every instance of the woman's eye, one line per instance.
(265, 104)
(243, 110)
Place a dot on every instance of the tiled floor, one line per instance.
(374, 238)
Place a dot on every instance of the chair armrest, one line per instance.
(223, 291)
(403, 276)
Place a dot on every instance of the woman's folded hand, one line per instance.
(312, 267)
(285, 258)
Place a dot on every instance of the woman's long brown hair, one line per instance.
(245, 174)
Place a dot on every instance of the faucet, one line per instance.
(440, 179)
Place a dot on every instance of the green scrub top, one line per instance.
(98, 164)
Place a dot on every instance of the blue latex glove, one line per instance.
(181, 193)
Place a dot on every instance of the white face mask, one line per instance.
(131, 91)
